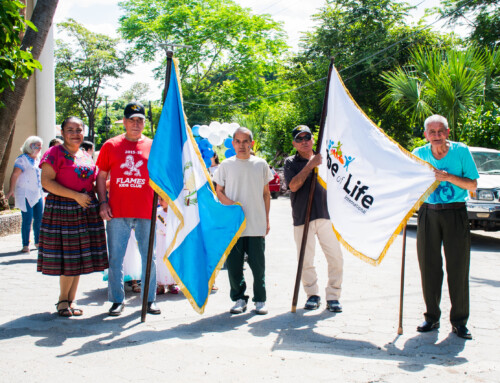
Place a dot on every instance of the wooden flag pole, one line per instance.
(401, 293)
(145, 286)
(311, 194)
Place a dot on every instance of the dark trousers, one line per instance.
(449, 227)
(255, 248)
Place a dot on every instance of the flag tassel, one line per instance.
(311, 194)
(145, 287)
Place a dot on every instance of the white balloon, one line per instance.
(215, 139)
(215, 125)
(204, 131)
(224, 125)
(232, 127)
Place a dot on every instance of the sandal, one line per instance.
(65, 312)
(136, 288)
(75, 310)
(173, 289)
(160, 289)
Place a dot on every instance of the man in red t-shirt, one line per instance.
(124, 160)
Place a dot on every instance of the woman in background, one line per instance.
(26, 188)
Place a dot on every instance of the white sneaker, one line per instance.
(239, 307)
(260, 308)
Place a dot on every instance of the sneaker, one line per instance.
(153, 309)
(334, 306)
(116, 309)
(239, 307)
(313, 303)
(260, 308)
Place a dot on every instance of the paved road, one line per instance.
(359, 345)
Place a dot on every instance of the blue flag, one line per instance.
(200, 230)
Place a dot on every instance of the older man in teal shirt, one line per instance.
(442, 220)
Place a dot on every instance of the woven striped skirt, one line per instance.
(72, 239)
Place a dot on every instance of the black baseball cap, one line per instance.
(300, 129)
(134, 109)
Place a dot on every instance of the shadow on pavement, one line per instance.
(482, 281)
(484, 243)
(13, 254)
(422, 350)
(55, 330)
(294, 332)
(18, 262)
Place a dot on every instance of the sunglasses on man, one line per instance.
(306, 137)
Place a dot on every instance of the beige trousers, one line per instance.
(321, 228)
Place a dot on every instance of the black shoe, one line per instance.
(116, 309)
(428, 326)
(153, 309)
(334, 306)
(313, 303)
(462, 331)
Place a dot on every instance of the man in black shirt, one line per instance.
(298, 175)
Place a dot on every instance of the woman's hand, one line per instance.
(83, 199)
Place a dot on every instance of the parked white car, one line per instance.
(483, 206)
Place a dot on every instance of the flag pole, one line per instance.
(401, 293)
(145, 287)
(311, 194)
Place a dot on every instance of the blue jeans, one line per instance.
(31, 214)
(118, 230)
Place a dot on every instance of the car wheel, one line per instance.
(275, 195)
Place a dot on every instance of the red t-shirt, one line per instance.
(126, 162)
(75, 173)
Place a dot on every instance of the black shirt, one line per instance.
(293, 166)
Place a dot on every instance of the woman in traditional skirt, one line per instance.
(72, 236)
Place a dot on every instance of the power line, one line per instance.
(342, 70)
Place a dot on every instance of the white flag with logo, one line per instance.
(373, 184)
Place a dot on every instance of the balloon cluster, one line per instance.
(208, 136)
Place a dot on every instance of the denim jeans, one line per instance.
(118, 230)
(31, 214)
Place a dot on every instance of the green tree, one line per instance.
(15, 62)
(483, 16)
(12, 98)
(365, 38)
(482, 126)
(84, 61)
(138, 92)
(448, 82)
(233, 52)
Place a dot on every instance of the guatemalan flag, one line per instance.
(200, 230)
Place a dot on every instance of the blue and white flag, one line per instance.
(200, 230)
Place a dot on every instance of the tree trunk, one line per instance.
(42, 18)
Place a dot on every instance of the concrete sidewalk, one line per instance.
(359, 345)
